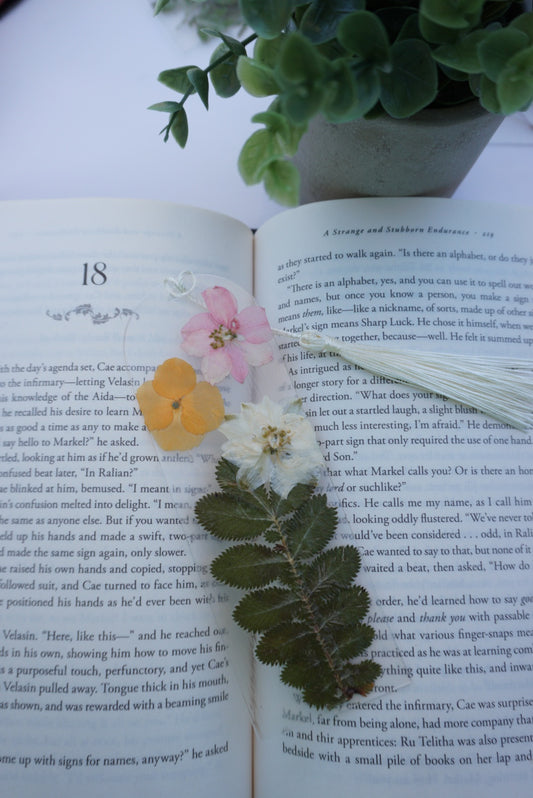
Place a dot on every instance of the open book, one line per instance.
(121, 670)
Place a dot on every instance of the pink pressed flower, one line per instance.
(228, 341)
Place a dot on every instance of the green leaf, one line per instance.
(276, 123)
(266, 51)
(232, 45)
(179, 127)
(412, 83)
(368, 87)
(341, 97)
(230, 517)
(300, 74)
(322, 695)
(224, 76)
(282, 182)
(524, 23)
(497, 49)
(311, 528)
(267, 19)
(200, 82)
(249, 566)
(320, 20)
(298, 496)
(260, 610)
(315, 680)
(452, 14)
(166, 106)
(360, 675)
(463, 55)
(348, 607)
(284, 642)
(437, 34)
(348, 642)
(299, 62)
(258, 151)
(362, 33)
(177, 79)
(515, 84)
(256, 78)
(160, 5)
(330, 570)
(486, 90)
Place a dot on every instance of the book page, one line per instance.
(116, 648)
(437, 496)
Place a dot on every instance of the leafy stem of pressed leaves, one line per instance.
(301, 600)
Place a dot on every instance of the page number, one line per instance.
(94, 274)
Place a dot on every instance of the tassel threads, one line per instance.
(500, 387)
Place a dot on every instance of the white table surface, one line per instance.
(76, 80)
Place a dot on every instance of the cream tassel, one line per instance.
(500, 387)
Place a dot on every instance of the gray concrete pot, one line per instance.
(428, 154)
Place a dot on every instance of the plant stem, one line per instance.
(308, 607)
(217, 62)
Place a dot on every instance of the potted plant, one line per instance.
(333, 62)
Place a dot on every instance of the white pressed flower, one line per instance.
(272, 446)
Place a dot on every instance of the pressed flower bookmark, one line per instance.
(223, 395)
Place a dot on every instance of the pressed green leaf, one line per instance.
(330, 570)
(260, 610)
(347, 607)
(363, 34)
(348, 642)
(324, 695)
(282, 182)
(464, 54)
(283, 642)
(166, 106)
(298, 496)
(200, 82)
(258, 151)
(496, 50)
(456, 14)
(226, 474)
(177, 79)
(256, 78)
(249, 566)
(412, 83)
(300, 674)
(230, 517)
(360, 675)
(267, 19)
(320, 20)
(224, 76)
(515, 84)
(311, 528)
(180, 127)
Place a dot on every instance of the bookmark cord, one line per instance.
(500, 387)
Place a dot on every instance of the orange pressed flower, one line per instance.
(177, 410)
